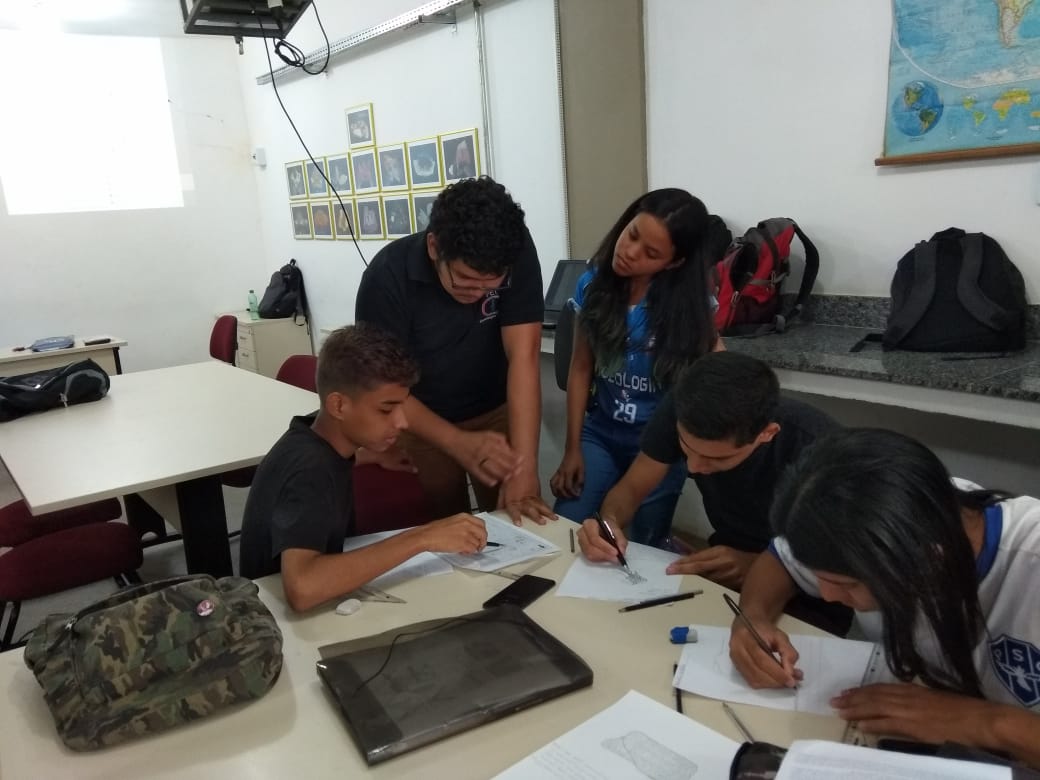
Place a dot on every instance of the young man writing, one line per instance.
(299, 508)
(726, 418)
(465, 297)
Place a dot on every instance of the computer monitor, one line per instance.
(562, 286)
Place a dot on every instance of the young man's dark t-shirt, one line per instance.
(301, 497)
(737, 501)
(459, 348)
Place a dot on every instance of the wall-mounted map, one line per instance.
(963, 80)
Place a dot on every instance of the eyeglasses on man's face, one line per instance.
(507, 280)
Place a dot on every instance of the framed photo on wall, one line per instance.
(393, 173)
(397, 216)
(317, 187)
(460, 155)
(339, 173)
(369, 218)
(321, 219)
(366, 176)
(300, 214)
(424, 163)
(345, 222)
(422, 205)
(295, 181)
(361, 126)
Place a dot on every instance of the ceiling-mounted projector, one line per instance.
(242, 18)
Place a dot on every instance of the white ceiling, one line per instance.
(144, 18)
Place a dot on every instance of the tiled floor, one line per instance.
(165, 560)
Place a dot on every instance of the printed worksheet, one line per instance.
(507, 544)
(812, 759)
(635, 739)
(422, 565)
(607, 581)
(830, 666)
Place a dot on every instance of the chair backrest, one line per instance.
(563, 344)
(223, 340)
(386, 500)
(299, 370)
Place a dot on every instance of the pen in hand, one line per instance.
(751, 628)
(606, 532)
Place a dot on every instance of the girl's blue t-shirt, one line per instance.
(630, 395)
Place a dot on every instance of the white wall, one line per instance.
(155, 277)
(776, 109)
(421, 82)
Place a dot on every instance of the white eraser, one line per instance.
(348, 607)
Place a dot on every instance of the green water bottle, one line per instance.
(254, 307)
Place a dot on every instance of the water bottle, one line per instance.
(254, 307)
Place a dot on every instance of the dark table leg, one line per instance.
(204, 526)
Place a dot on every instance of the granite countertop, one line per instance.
(824, 349)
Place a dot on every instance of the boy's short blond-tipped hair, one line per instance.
(361, 357)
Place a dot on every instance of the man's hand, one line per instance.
(520, 495)
(461, 533)
(486, 455)
(392, 459)
(913, 712)
(720, 564)
(594, 546)
(758, 667)
(569, 477)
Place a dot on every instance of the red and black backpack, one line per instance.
(748, 280)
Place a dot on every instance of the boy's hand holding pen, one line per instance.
(595, 535)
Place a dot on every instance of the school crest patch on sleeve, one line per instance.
(1017, 664)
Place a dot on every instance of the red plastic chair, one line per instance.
(386, 500)
(223, 339)
(59, 551)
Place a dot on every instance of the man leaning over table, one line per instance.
(299, 509)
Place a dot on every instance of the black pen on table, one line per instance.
(737, 722)
(750, 627)
(606, 533)
(492, 544)
(678, 691)
(661, 600)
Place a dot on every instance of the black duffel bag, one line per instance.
(74, 383)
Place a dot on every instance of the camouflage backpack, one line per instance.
(154, 656)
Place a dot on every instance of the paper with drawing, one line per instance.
(830, 666)
(608, 581)
(517, 545)
(634, 739)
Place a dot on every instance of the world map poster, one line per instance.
(963, 80)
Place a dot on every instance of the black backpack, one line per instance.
(284, 296)
(74, 383)
(957, 292)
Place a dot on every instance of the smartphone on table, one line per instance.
(521, 592)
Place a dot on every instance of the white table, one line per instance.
(296, 731)
(24, 361)
(168, 434)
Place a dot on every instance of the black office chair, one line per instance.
(564, 342)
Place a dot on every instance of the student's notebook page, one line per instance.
(830, 665)
(607, 581)
(422, 565)
(634, 739)
(816, 760)
(516, 545)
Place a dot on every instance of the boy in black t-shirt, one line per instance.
(726, 418)
(299, 508)
(465, 297)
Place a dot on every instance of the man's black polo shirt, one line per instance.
(737, 501)
(458, 346)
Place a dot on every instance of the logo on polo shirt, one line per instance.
(1017, 664)
(489, 306)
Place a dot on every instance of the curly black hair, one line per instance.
(478, 222)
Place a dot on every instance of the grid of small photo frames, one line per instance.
(387, 190)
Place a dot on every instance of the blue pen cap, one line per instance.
(681, 635)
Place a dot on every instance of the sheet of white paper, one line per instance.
(517, 545)
(422, 565)
(633, 739)
(608, 581)
(830, 666)
(816, 760)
